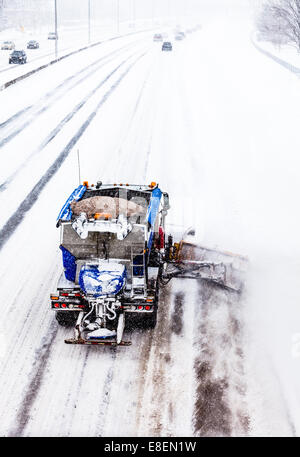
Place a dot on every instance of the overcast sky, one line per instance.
(145, 7)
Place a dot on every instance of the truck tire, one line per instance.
(148, 320)
(66, 318)
(152, 318)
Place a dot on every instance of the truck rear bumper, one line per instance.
(96, 342)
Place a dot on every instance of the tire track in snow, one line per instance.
(220, 407)
(153, 381)
(149, 147)
(56, 95)
(15, 116)
(162, 359)
(106, 395)
(143, 364)
(35, 382)
(281, 394)
(60, 125)
(21, 333)
(15, 220)
(177, 314)
(122, 164)
(79, 385)
(164, 403)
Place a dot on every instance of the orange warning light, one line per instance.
(104, 216)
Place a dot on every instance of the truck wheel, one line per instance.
(66, 318)
(153, 319)
(149, 320)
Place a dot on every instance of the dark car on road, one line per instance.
(18, 57)
(167, 46)
(32, 44)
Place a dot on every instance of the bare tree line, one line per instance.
(279, 22)
(24, 14)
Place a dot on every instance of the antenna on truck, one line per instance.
(78, 160)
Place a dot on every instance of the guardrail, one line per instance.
(276, 59)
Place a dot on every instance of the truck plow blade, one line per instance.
(222, 267)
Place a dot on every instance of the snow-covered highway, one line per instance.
(215, 123)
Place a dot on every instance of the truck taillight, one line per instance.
(67, 305)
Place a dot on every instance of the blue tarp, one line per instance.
(66, 212)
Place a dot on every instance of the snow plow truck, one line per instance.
(116, 255)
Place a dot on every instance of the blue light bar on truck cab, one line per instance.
(154, 205)
(153, 211)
